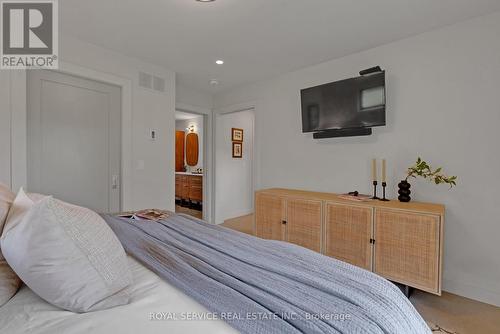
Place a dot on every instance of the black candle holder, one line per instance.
(375, 183)
(383, 199)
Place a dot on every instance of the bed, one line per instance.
(193, 277)
(28, 313)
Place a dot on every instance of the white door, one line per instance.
(74, 139)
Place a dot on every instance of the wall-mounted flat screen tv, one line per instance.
(347, 104)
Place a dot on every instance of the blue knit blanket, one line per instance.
(264, 286)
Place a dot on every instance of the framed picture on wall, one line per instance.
(237, 135)
(237, 150)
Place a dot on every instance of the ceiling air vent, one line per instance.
(159, 84)
(145, 80)
(152, 82)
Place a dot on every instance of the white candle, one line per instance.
(384, 176)
(374, 169)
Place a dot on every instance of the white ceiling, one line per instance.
(257, 39)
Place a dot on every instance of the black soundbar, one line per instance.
(343, 133)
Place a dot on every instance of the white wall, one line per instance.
(5, 177)
(152, 186)
(197, 122)
(233, 176)
(13, 128)
(443, 105)
(193, 97)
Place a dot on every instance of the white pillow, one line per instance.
(9, 282)
(35, 197)
(66, 254)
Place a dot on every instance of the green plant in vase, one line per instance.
(422, 169)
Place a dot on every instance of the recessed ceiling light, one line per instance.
(205, 0)
(214, 82)
(219, 62)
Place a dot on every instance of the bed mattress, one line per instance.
(155, 307)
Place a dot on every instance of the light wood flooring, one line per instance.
(188, 211)
(243, 224)
(446, 314)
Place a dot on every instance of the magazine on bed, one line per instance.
(149, 214)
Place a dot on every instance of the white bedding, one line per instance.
(28, 313)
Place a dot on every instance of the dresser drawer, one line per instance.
(195, 181)
(196, 193)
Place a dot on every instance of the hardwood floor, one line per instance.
(243, 224)
(457, 314)
(449, 314)
(188, 211)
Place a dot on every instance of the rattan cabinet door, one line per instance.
(269, 216)
(407, 248)
(303, 223)
(348, 232)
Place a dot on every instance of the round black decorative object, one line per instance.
(404, 191)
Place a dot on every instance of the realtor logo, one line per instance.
(29, 37)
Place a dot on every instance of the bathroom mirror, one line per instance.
(192, 149)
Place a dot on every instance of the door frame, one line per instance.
(107, 163)
(19, 126)
(207, 154)
(246, 106)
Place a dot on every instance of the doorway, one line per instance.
(234, 165)
(190, 157)
(74, 139)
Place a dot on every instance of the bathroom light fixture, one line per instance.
(205, 0)
(219, 62)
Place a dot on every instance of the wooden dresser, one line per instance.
(402, 242)
(189, 187)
